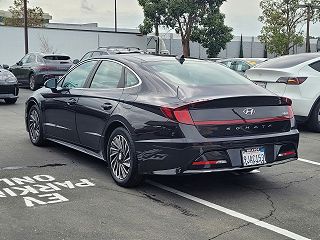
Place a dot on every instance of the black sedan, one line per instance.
(36, 68)
(148, 114)
(9, 88)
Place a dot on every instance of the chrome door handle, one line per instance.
(72, 101)
(106, 106)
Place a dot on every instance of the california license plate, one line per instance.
(253, 156)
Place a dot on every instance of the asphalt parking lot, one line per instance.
(57, 193)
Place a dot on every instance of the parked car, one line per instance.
(35, 68)
(146, 114)
(108, 51)
(241, 65)
(296, 77)
(9, 89)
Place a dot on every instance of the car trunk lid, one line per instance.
(268, 78)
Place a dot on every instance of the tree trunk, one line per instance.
(156, 27)
(186, 47)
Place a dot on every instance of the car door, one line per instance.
(60, 108)
(97, 103)
(26, 68)
(17, 68)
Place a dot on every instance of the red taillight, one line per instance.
(290, 112)
(209, 163)
(292, 80)
(181, 115)
(286, 101)
(288, 153)
(168, 112)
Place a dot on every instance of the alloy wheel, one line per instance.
(119, 155)
(34, 125)
(32, 82)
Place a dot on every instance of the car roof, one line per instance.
(137, 58)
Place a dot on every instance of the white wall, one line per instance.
(74, 43)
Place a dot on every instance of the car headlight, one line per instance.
(7, 77)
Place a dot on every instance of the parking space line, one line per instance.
(308, 161)
(230, 212)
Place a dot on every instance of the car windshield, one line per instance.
(288, 61)
(196, 73)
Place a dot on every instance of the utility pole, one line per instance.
(310, 8)
(26, 38)
(115, 16)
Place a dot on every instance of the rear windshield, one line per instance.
(57, 58)
(197, 73)
(288, 61)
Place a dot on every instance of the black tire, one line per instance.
(117, 157)
(314, 120)
(32, 82)
(34, 124)
(10, 100)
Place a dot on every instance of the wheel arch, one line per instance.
(31, 102)
(313, 106)
(114, 123)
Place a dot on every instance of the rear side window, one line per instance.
(315, 66)
(131, 79)
(197, 73)
(78, 76)
(108, 75)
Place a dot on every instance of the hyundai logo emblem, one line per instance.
(249, 111)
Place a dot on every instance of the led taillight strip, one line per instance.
(240, 121)
(209, 163)
(182, 115)
(289, 153)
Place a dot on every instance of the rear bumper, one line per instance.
(175, 156)
(9, 91)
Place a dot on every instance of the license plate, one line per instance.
(262, 84)
(253, 156)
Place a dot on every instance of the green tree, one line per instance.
(212, 33)
(35, 15)
(283, 21)
(154, 13)
(197, 20)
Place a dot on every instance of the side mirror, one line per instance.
(19, 63)
(52, 83)
(5, 66)
(76, 61)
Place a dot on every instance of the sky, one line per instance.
(241, 15)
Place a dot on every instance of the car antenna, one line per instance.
(180, 58)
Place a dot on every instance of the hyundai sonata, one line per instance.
(162, 115)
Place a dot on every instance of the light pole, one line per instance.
(26, 38)
(310, 9)
(115, 16)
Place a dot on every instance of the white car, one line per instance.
(296, 77)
